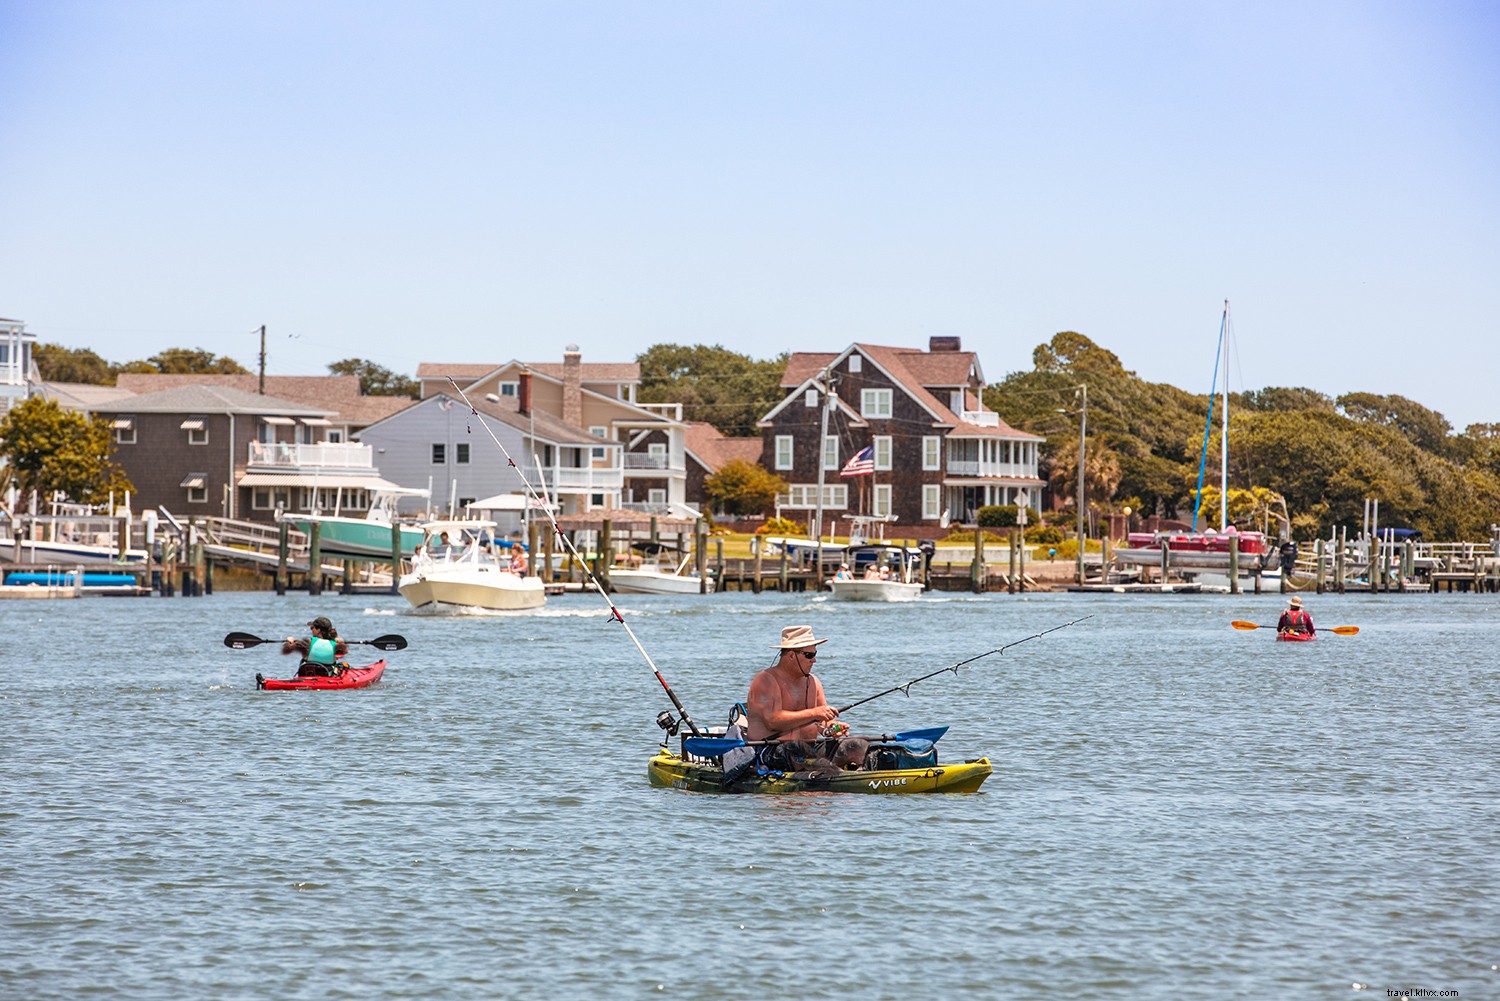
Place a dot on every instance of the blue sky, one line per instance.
(454, 181)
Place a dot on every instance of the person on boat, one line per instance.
(1295, 619)
(320, 651)
(786, 702)
(518, 560)
(843, 573)
(885, 572)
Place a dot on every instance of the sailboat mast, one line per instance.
(1224, 435)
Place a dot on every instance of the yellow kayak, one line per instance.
(698, 775)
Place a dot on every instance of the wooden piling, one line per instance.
(282, 557)
(314, 559)
(1234, 566)
(395, 558)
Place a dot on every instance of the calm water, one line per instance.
(1178, 809)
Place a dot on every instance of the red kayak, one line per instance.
(1296, 637)
(350, 677)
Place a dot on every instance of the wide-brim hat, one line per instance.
(797, 637)
(1294, 601)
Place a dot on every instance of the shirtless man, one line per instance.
(786, 699)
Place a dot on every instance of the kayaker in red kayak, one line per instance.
(1295, 619)
(321, 652)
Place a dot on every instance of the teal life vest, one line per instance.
(320, 651)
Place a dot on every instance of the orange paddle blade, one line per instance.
(1345, 630)
(1247, 625)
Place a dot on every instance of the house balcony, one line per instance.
(964, 469)
(640, 463)
(983, 418)
(290, 457)
(570, 480)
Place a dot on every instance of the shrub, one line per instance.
(1044, 535)
(1003, 516)
(781, 526)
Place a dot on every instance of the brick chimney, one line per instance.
(572, 388)
(523, 393)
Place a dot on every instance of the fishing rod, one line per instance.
(904, 688)
(567, 545)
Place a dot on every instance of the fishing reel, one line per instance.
(667, 722)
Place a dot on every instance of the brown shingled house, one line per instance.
(935, 454)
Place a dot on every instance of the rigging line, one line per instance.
(572, 550)
(1208, 425)
(905, 687)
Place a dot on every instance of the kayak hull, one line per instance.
(1296, 637)
(353, 677)
(674, 772)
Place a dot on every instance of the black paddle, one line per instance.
(243, 641)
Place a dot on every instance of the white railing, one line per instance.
(984, 418)
(324, 455)
(583, 479)
(641, 460)
(1007, 470)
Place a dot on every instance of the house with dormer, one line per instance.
(935, 454)
(601, 398)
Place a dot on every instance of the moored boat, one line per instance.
(367, 537)
(349, 677)
(684, 771)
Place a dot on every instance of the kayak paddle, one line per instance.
(1340, 630)
(713, 747)
(242, 641)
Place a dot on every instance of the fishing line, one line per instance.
(905, 687)
(567, 544)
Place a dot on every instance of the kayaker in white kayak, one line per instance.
(321, 652)
(786, 701)
(1295, 619)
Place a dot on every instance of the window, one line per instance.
(810, 398)
(461, 453)
(875, 402)
(197, 430)
(783, 451)
(882, 451)
(830, 452)
(658, 452)
(197, 487)
(805, 495)
(656, 498)
(464, 502)
(439, 453)
(856, 364)
(932, 454)
(956, 401)
(599, 431)
(335, 437)
(124, 428)
(932, 499)
(508, 389)
(881, 502)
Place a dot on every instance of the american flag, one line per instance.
(861, 464)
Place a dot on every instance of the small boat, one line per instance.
(890, 574)
(663, 578)
(677, 771)
(349, 677)
(1296, 637)
(369, 537)
(462, 565)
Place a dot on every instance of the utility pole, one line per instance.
(1083, 426)
(262, 359)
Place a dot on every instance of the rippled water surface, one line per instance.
(1178, 809)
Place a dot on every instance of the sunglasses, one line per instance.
(809, 654)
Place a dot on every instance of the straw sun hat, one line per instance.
(797, 637)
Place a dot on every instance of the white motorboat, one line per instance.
(460, 564)
(890, 574)
(660, 579)
(368, 537)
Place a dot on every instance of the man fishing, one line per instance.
(1295, 619)
(320, 652)
(786, 702)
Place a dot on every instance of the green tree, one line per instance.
(376, 380)
(731, 391)
(56, 363)
(1427, 429)
(1282, 398)
(190, 361)
(741, 487)
(52, 449)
